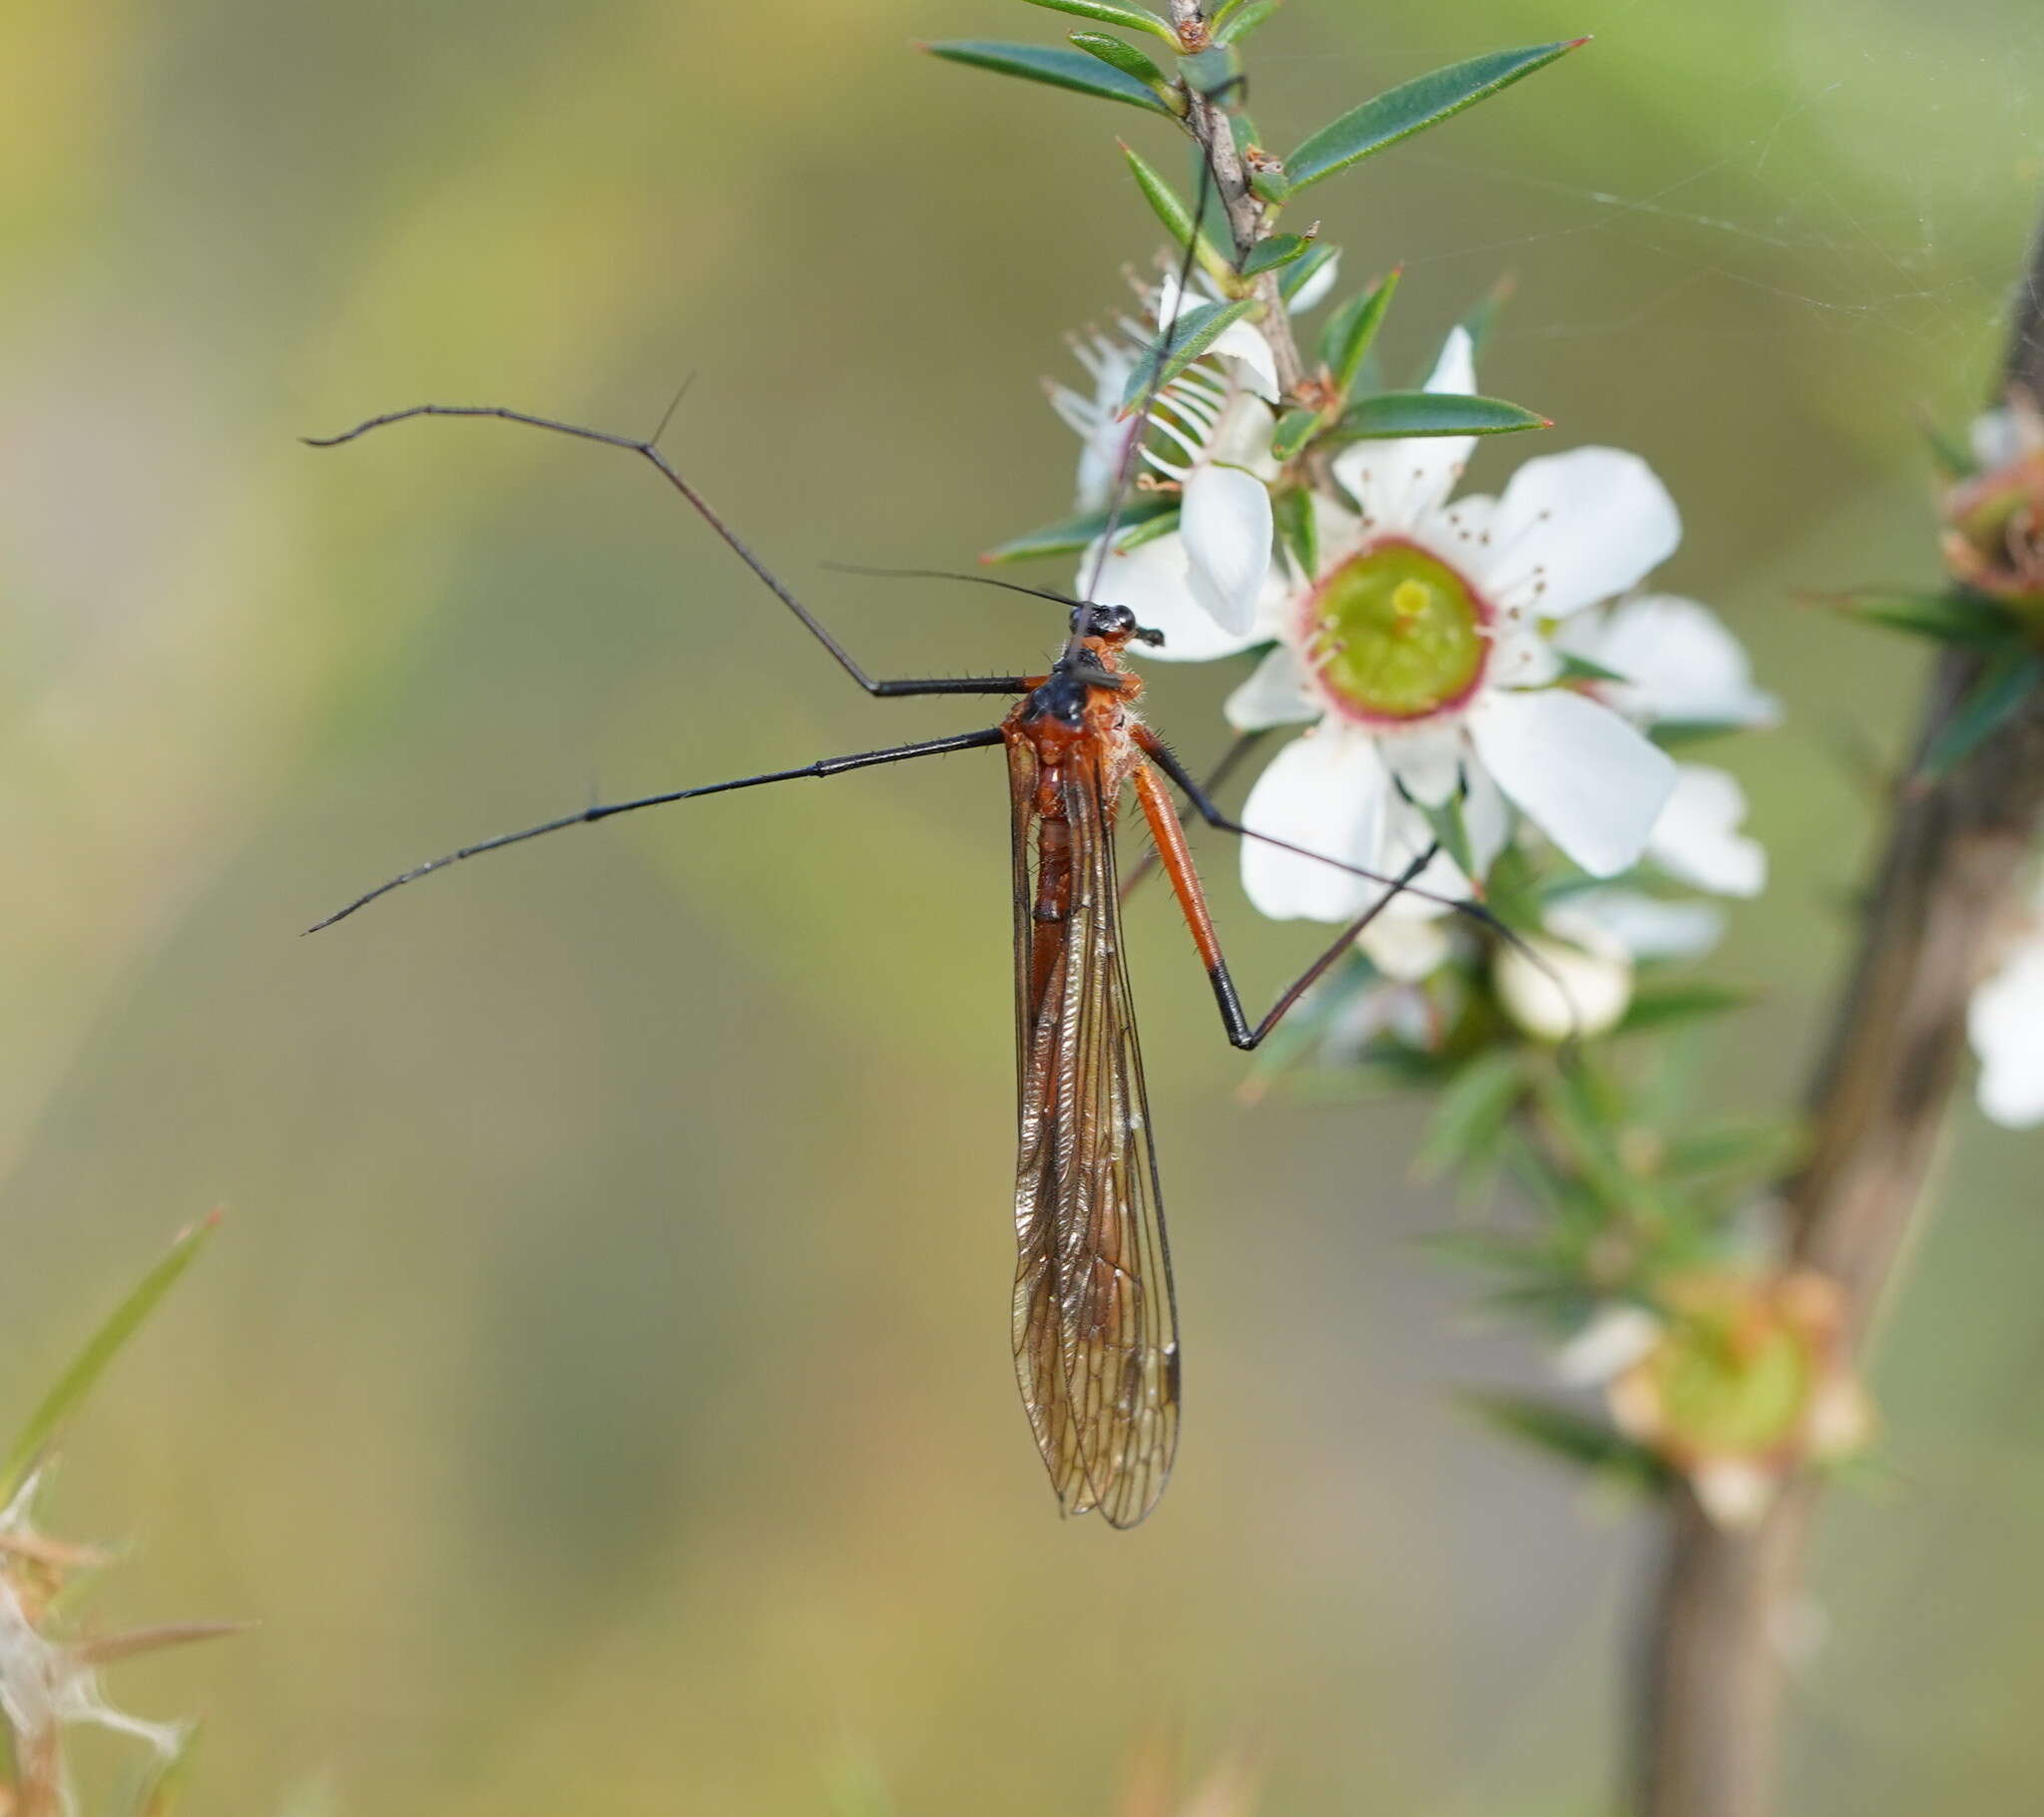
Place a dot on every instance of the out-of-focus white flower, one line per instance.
(48, 1684)
(1650, 927)
(2005, 1022)
(1749, 1376)
(1420, 654)
(1572, 982)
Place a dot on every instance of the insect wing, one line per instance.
(1096, 1324)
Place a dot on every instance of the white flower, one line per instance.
(2005, 1022)
(1209, 434)
(1420, 654)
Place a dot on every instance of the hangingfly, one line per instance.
(1095, 1322)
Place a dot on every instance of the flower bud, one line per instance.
(1572, 982)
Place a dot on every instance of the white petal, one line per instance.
(1401, 484)
(1697, 838)
(1996, 439)
(1406, 948)
(1576, 528)
(1226, 528)
(1274, 695)
(1241, 436)
(1678, 661)
(1257, 365)
(1734, 1492)
(1591, 783)
(1315, 288)
(2006, 1022)
(1336, 529)
(1521, 657)
(1616, 1337)
(1153, 580)
(1647, 927)
(1325, 793)
(1428, 761)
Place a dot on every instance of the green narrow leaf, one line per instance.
(1445, 821)
(1170, 207)
(1481, 322)
(45, 1425)
(1112, 12)
(1565, 1434)
(1179, 345)
(1211, 73)
(1352, 329)
(1495, 1250)
(1061, 69)
(1292, 510)
(1475, 1108)
(1146, 530)
(1072, 534)
(1275, 253)
(1746, 1149)
(1294, 429)
(1235, 23)
(1953, 459)
(1673, 734)
(1581, 668)
(1656, 1006)
(1130, 62)
(1412, 108)
(1403, 413)
(2005, 686)
(1304, 270)
(1946, 617)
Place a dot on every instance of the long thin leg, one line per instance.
(1184, 882)
(826, 766)
(894, 689)
(1231, 762)
(1189, 893)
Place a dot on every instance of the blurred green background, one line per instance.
(600, 1393)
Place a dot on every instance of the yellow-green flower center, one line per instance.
(1395, 635)
(1726, 1389)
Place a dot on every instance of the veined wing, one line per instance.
(1096, 1324)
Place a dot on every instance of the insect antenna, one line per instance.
(947, 574)
(1132, 448)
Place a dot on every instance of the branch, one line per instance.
(1212, 126)
(1945, 884)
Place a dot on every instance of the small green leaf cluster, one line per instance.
(1992, 606)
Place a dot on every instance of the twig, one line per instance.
(1215, 131)
(1713, 1667)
